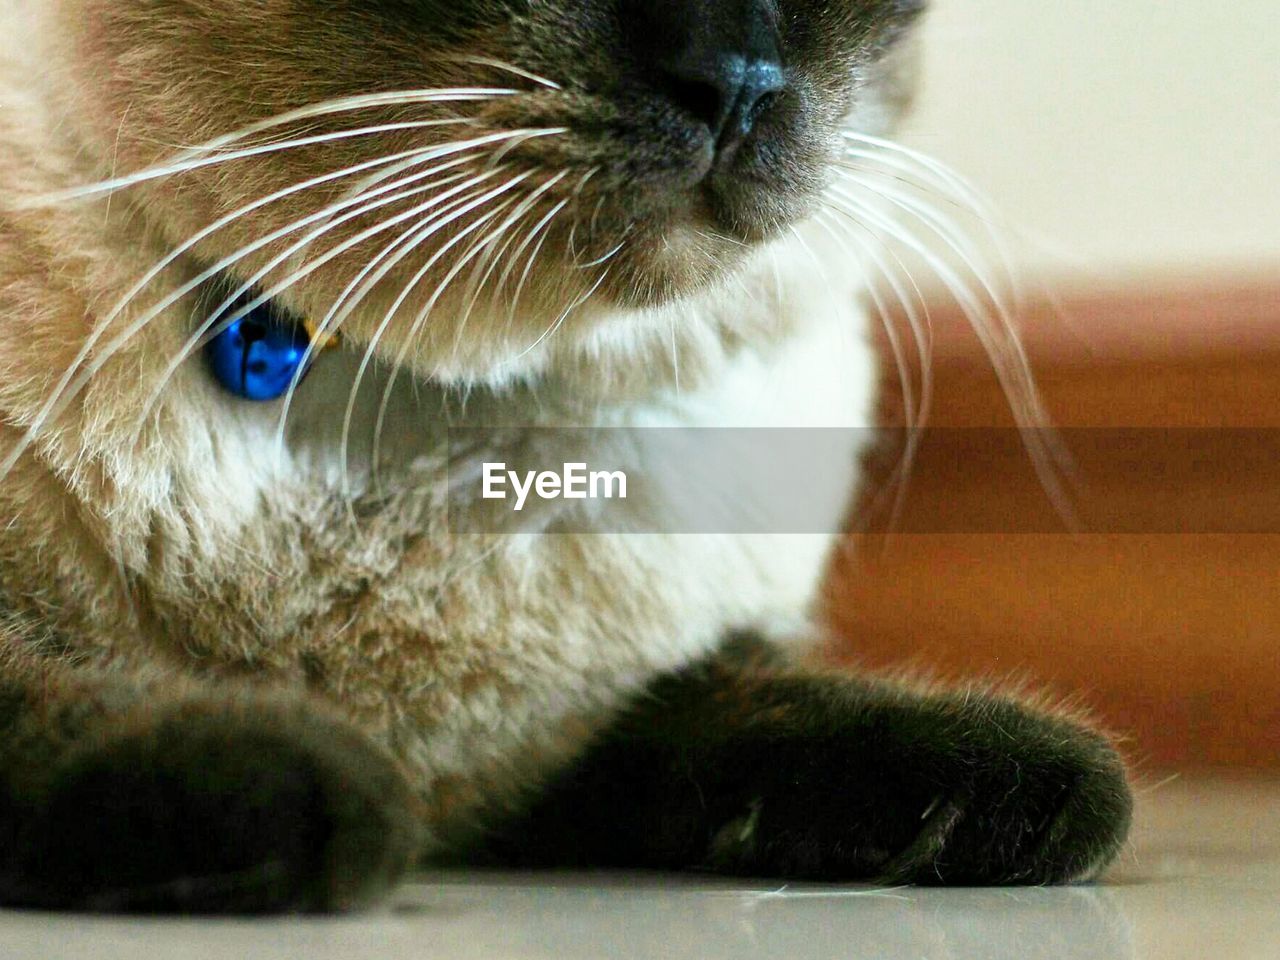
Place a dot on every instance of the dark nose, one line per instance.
(718, 60)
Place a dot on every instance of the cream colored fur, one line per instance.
(199, 549)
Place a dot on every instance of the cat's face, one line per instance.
(610, 154)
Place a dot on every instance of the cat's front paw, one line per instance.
(208, 810)
(933, 792)
(1021, 799)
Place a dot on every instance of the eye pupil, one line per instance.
(252, 330)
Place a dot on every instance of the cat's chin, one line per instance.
(677, 255)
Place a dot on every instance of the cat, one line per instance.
(251, 662)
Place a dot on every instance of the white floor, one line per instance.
(1201, 882)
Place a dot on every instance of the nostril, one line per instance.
(762, 106)
(704, 100)
(729, 94)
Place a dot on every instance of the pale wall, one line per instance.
(1126, 136)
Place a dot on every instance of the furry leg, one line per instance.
(121, 793)
(747, 766)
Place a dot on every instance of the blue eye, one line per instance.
(258, 355)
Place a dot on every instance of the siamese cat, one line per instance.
(262, 262)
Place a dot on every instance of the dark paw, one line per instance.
(252, 811)
(1041, 813)
(936, 793)
(752, 770)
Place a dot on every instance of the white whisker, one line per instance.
(905, 379)
(969, 300)
(483, 245)
(494, 254)
(196, 157)
(540, 232)
(354, 294)
(675, 357)
(921, 324)
(951, 185)
(916, 409)
(404, 296)
(1011, 366)
(1007, 351)
(951, 180)
(607, 257)
(156, 173)
(903, 159)
(70, 385)
(551, 330)
(219, 318)
(511, 69)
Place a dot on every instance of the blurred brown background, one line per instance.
(1171, 638)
